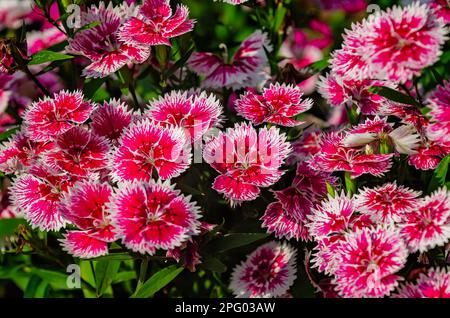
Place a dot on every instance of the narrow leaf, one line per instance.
(45, 56)
(157, 282)
(233, 240)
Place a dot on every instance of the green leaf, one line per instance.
(319, 66)
(88, 26)
(393, 95)
(45, 56)
(6, 134)
(9, 226)
(56, 280)
(440, 174)
(91, 86)
(213, 264)
(114, 257)
(158, 281)
(279, 17)
(105, 271)
(233, 240)
(180, 63)
(123, 277)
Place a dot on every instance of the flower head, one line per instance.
(196, 112)
(246, 160)
(277, 105)
(145, 146)
(153, 215)
(155, 24)
(268, 272)
(100, 43)
(51, 117)
(369, 259)
(439, 102)
(245, 70)
(433, 284)
(428, 225)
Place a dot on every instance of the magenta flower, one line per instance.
(428, 225)
(85, 206)
(346, 5)
(153, 215)
(435, 283)
(368, 261)
(387, 203)
(268, 272)
(306, 146)
(245, 70)
(100, 43)
(155, 24)
(428, 156)
(110, 120)
(246, 160)
(334, 156)
(145, 146)
(79, 152)
(196, 112)
(38, 195)
(277, 105)
(51, 117)
(439, 102)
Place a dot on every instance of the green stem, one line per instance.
(350, 184)
(142, 273)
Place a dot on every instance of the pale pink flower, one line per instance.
(246, 68)
(100, 43)
(268, 272)
(12, 12)
(196, 112)
(85, 206)
(41, 40)
(246, 159)
(439, 102)
(428, 225)
(153, 215)
(51, 117)
(145, 146)
(387, 203)
(155, 24)
(278, 104)
(369, 259)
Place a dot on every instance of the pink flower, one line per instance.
(38, 195)
(100, 43)
(428, 225)
(277, 105)
(306, 146)
(348, 92)
(246, 160)
(441, 9)
(346, 5)
(155, 24)
(196, 112)
(51, 117)
(12, 12)
(433, 284)
(85, 206)
(387, 203)
(334, 156)
(268, 272)
(369, 259)
(153, 215)
(41, 40)
(245, 70)
(145, 146)
(428, 156)
(79, 152)
(439, 102)
(21, 153)
(110, 120)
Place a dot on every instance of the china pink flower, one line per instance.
(387, 203)
(439, 102)
(246, 159)
(278, 104)
(306, 146)
(246, 68)
(85, 206)
(79, 152)
(21, 153)
(38, 194)
(51, 117)
(441, 9)
(153, 215)
(100, 43)
(110, 120)
(433, 284)
(41, 40)
(155, 24)
(145, 146)
(268, 272)
(428, 225)
(428, 156)
(12, 12)
(334, 156)
(346, 5)
(369, 261)
(196, 112)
